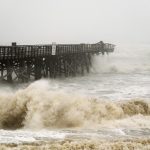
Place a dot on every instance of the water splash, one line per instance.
(38, 107)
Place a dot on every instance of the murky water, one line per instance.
(106, 109)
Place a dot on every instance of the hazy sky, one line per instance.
(74, 21)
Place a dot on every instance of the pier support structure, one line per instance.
(23, 63)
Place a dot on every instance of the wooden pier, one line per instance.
(31, 62)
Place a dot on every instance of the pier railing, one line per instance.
(30, 51)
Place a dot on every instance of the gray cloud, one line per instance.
(73, 21)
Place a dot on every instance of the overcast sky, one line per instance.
(74, 21)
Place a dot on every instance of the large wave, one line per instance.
(39, 107)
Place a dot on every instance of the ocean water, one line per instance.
(106, 109)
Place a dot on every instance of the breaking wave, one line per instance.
(39, 107)
(125, 59)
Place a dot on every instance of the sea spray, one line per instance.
(126, 59)
(39, 107)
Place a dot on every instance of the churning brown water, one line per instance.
(108, 109)
(37, 107)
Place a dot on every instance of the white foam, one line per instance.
(20, 136)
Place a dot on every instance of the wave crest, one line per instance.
(38, 107)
